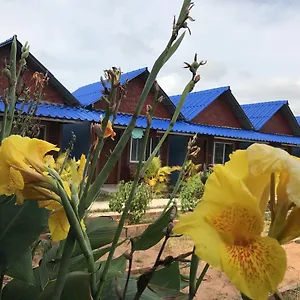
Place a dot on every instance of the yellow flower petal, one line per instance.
(256, 269)
(59, 225)
(264, 159)
(258, 185)
(10, 181)
(226, 228)
(291, 229)
(292, 187)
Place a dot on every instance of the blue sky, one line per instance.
(253, 46)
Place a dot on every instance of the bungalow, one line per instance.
(57, 98)
(90, 97)
(221, 123)
(273, 117)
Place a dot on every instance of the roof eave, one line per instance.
(238, 110)
(68, 97)
(290, 117)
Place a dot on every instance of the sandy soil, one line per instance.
(215, 285)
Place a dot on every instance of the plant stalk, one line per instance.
(80, 236)
(161, 60)
(1, 284)
(124, 214)
(64, 266)
(193, 275)
(189, 87)
(129, 271)
(147, 278)
(201, 277)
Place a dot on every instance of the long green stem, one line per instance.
(193, 275)
(64, 266)
(124, 214)
(1, 284)
(189, 87)
(177, 184)
(114, 157)
(80, 237)
(201, 277)
(12, 87)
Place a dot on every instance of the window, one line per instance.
(221, 152)
(42, 132)
(136, 148)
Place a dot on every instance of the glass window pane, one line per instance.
(148, 149)
(155, 142)
(134, 147)
(218, 159)
(140, 146)
(228, 150)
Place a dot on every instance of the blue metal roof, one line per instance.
(197, 101)
(298, 119)
(260, 113)
(58, 111)
(62, 112)
(91, 93)
(185, 127)
(68, 98)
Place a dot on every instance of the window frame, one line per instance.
(45, 131)
(223, 156)
(150, 140)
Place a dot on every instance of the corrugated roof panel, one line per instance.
(260, 113)
(57, 111)
(91, 93)
(298, 119)
(62, 112)
(197, 101)
(185, 127)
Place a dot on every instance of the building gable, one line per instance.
(216, 107)
(272, 117)
(128, 105)
(218, 113)
(91, 95)
(54, 91)
(277, 124)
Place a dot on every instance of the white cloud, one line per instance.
(251, 45)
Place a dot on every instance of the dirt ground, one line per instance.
(215, 285)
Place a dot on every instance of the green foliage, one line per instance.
(191, 193)
(20, 226)
(139, 204)
(155, 232)
(158, 177)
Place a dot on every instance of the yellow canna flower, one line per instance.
(58, 224)
(265, 160)
(109, 132)
(226, 228)
(255, 167)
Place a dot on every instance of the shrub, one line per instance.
(139, 204)
(191, 193)
(158, 177)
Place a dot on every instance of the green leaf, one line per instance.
(20, 226)
(174, 47)
(152, 293)
(110, 291)
(117, 268)
(154, 233)
(78, 263)
(77, 287)
(22, 269)
(100, 232)
(20, 290)
(168, 277)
